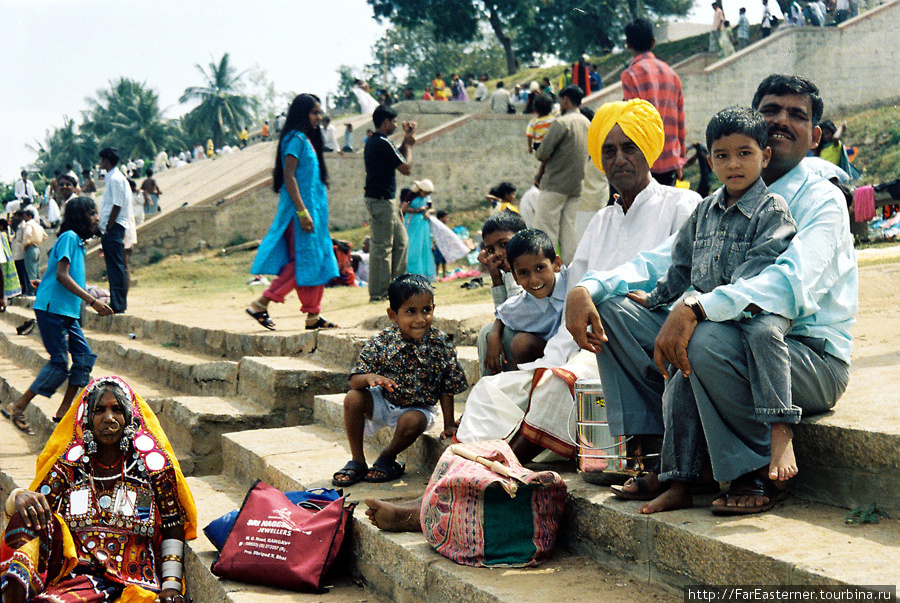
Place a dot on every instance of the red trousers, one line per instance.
(310, 296)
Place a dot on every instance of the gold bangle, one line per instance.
(303, 214)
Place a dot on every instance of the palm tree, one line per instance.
(222, 106)
(64, 145)
(127, 116)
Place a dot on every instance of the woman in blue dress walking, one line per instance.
(298, 246)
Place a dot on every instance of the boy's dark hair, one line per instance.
(502, 189)
(110, 154)
(530, 241)
(738, 120)
(381, 113)
(573, 93)
(77, 217)
(543, 104)
(783, 85)
(405, 286)
(639, 35)
(742, 10)
(441, 214)
(68, 178)
(828, 125)
(503, 221)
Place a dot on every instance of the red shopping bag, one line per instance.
(277, 543)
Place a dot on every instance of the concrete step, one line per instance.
(194, 424)
(800, 542)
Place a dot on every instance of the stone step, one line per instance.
(194, 424)
(799, 542)
(403, 566)
(283, 384)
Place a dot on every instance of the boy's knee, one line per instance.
(357, 400)
(413, 421)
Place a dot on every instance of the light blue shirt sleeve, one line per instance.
(641, 273)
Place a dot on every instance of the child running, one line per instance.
(57, 307)
(401, 375)
(535, 313)
(732, 234)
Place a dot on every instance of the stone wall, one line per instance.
(854, 66)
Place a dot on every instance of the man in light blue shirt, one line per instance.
(814, 283)
(114, 211)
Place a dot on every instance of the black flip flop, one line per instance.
(390, 470)
(321, 323)
(355, 472)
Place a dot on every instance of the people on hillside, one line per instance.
(481, 91)
(107, 514)
(539, 126)
(563, 154)
(401, 376)
(416, 209)
(742, 31)
(367, 104)
(348, 138)
(653, 80)
(298, 247)
(32, 236)
(115, 211)
(389, 246)
(439, 88)
(708, 391)
(24, 190)
(57, 309)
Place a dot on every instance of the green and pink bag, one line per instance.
(482, 508)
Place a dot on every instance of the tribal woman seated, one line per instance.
(108, 512)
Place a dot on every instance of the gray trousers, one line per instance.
(712, 412)
(389, 246)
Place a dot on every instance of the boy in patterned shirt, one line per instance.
(399, 378)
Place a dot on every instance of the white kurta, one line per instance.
(499, 404)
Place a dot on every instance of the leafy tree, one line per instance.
(223, 109)
(127, 116)
(422, 56)
(64, 145)
(525, 28)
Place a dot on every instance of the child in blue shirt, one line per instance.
(536, 312)
(400, 377)
(57, 308)
(735, 233)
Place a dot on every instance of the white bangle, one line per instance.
(11, 501)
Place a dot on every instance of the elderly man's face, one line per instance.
(791, 131)
(624, 163)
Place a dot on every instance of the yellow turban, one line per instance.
(639, 120)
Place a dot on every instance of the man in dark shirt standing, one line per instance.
(389, 244)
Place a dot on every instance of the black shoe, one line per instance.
(26, 327)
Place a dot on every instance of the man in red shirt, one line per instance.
(654, 81)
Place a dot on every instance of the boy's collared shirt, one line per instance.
(424, 370)
(509, 288)
(541, 317)
(719, 245)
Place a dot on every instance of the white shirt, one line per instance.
(116, 193)
(329, 138)
(25, 189)
(481, 91)
(614, 237)
(500, 100)
(367, 104)
(541, 317)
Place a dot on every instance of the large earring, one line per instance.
(90, 446)
(127, 436)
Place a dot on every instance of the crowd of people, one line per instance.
(715, 324)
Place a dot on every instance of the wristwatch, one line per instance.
(693, 303)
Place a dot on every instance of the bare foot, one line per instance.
(394, 518)
(783, 465)
(651, 484)
(678, 496)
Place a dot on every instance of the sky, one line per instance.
(57, 53)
